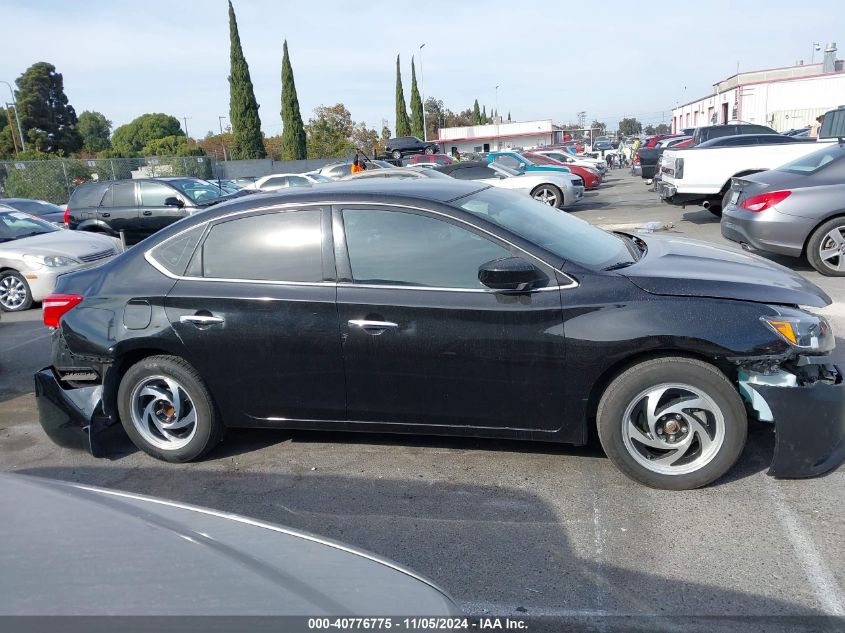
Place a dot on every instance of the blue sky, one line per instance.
(126, 58)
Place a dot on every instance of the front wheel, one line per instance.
(826, 248)
(672, 423)
(167, 411)
(15, 294)
(429, 150)
(548, 194)
(397, 155)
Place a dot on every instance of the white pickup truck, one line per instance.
(702, 175)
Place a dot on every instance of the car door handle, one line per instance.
(373, 327)
(200, 319)
(107, 215)
(148, 212)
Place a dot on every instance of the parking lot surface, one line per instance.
(506, 528)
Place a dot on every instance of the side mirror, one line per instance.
(173, 201)
(508, 273)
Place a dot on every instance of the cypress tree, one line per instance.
(247, 142)
(403, 125)
(293, 132)
(509, 116)
(417, 122)
(484, 118)
(476, 113)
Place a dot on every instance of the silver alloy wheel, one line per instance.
(12, 292)
(832, 248)
(673, 429)
(544, 194)
(163, 412)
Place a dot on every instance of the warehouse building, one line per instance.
(499, 136)
(782, 98)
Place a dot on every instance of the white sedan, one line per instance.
(274, 182)
(555, 189)
(571, 159)
(33, 253)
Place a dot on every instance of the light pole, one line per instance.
(498, 144)
(185, 119)
(816, 47)
(422, 78)
(17, 115)
(220, 121)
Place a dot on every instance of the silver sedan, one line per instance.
(33, 253)
(796, 209)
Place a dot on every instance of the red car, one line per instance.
(591, 178)
(437, 159)
(654, 140)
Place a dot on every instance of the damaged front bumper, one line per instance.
(809, 420)
(74, 417)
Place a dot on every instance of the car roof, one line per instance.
(461, 165)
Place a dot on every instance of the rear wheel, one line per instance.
(673, 423)
(15, 294)
(167, 411)
(549, 194)
(429, 150)
(826, 248)
(397, 155)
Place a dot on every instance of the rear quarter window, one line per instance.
(87, 195)
(175, 253)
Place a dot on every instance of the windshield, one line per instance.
(15, 225)
(539, 159)
(560, 233)
(504, 169)
(319, 178)
(35, 207)
(197, 190)
(816, 161)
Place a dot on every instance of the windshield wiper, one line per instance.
(619, 265)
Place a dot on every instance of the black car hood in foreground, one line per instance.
(689, 268)
(73, 550)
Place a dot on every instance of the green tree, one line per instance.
(648, 129)
(663, 128)
(94, 128)
(417, 119)
(599, 127)
(476, 113)
(629, 126)
(294, 144)
(130, 139)
(484, 118)
(328, 132)
(9, 141)
(171, 146)
(247, 142)
(48, 120)
(509, 116)
(403, 124)
(435, 116)
(365, 139)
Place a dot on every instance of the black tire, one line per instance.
(397, 155)
(429, 150)
(15, 295)
(820, 239)
(209, 429)
(551, 190)
(628, 388)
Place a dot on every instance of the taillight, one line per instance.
(763, 201)
(67, 217)
(637, 159)
(56, 306)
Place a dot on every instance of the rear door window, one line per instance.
(120, 194)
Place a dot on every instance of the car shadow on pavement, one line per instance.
(498, 550)
(700, 216)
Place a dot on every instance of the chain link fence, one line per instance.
(54, 180)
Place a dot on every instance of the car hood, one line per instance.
(683, 267)
(69, 549)
(65, 243)
(563, 170)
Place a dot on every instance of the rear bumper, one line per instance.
(770, 231)
(73, 418)
(809, 428)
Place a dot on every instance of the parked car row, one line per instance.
(775, 193)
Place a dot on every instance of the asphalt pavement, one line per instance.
(507, 528)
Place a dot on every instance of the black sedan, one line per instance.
(443, 307)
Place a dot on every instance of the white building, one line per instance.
(499, 136)
(782, 98)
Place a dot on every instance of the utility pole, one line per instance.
(223, 144)
(185, 119)
(14, 138)
(422, 79)
(17, 115)
(498, 145)
(815, 47)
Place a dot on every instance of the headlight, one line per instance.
(800, 329)
(50, 261)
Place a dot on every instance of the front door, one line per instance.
(119, 208)
(425, 343)
(153, 214)
(256, 315)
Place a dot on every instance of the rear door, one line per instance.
(154, 214)
(424, 343)
(256, 314)
(119, 209)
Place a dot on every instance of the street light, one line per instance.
(17, 114)
(498, 144)
(422, 78)
(816, 47)
(220, 121)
